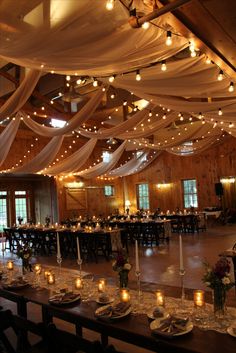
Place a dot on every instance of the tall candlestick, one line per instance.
(58, 246)
(136, 256)
(78, 250)
(181, 261)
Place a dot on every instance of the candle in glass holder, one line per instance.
(160, 298)
(102, 285)
(78, 283)
(47, 273)
(10, 265)
(51, 278)
(37, 269)
(124, 295)
(199, 298)
(109, 228)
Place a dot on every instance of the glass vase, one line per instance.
(124, 279)
(219, 299)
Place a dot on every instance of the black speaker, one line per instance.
(219, 189)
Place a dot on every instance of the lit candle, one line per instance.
(102, 285)
(78, 249)
(124, 295)
(38, 269)
(181, 261)
(199, 298)
(10, 265)
(58, 246)
(51, 278)
(47, 273)
(136, 257)
(78, 283)
(160, 298)
(109, 228)
(56, 225)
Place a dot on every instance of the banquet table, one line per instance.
(132, 329)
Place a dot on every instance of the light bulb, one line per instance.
(112, 96)
(231, 125)
(200, 116)
(220, 112)
(111, 78)
(150, 113)
(68, 78)
(231, 87)
(191, 46)
(145, 25)
(138, 76)
(208, 60)
(168, 38)
(220, 76)
(163, 66)
(95, 82)
(125, 103)
(110, 5)
(79, 81)
(193, 54)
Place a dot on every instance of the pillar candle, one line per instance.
(58, 246)
(136, 257)
(78, 250)
(181, 261)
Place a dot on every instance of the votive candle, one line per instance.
(47, 273)
(124, 295)
(37, 269)
(102, 285)
(199, 298)
(78, 283)
(160, 297)
(51, 278)
(10, 265)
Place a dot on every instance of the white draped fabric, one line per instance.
(115, 131)
(7, 137)
(21, 94)
(79, 118)
(79, 37)
(44, 157)
(73, 162)
(104, 167)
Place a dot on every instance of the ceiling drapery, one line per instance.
(21, 94)
(7, 137)
(74, 162)
(104, 167)
(45, 157)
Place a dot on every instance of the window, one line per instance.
(106, 156)
(21, 205)
(3, 210)
(143, 196)
(109, 190)
(190, 193)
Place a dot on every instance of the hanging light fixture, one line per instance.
(220, 76)
(111, 78)
(168, 38)
(146, 25)
(95, 82)
(220, 111)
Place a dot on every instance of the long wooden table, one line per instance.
(133, 329)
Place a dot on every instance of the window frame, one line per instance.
(141, 205)
(189, 194)
(112, 189)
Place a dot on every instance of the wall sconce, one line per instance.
(127, 206)
(163, 185)
(229, 180)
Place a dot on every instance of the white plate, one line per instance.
(55, 302)
(231, 331)
(110, 300)
(111, 317)
(157, 323)
(150, 315)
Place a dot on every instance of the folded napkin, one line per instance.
(64, 298)
(120, 309)
(171, 326)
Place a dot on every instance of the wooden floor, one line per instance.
(159, 264)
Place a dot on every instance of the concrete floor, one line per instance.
(158, 264)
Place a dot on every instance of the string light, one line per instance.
(168, 38)
(145, 25)
(231, 87)
(220, 76)
(163, 65)
(79, 81)
(138, 76)
(110, 5)
(220, 112)
(95, 82)
(208, 60)
(111, 78)
(67, 78)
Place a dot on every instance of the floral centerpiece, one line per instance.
(122, 266)
(218, 278)
(25, 253)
